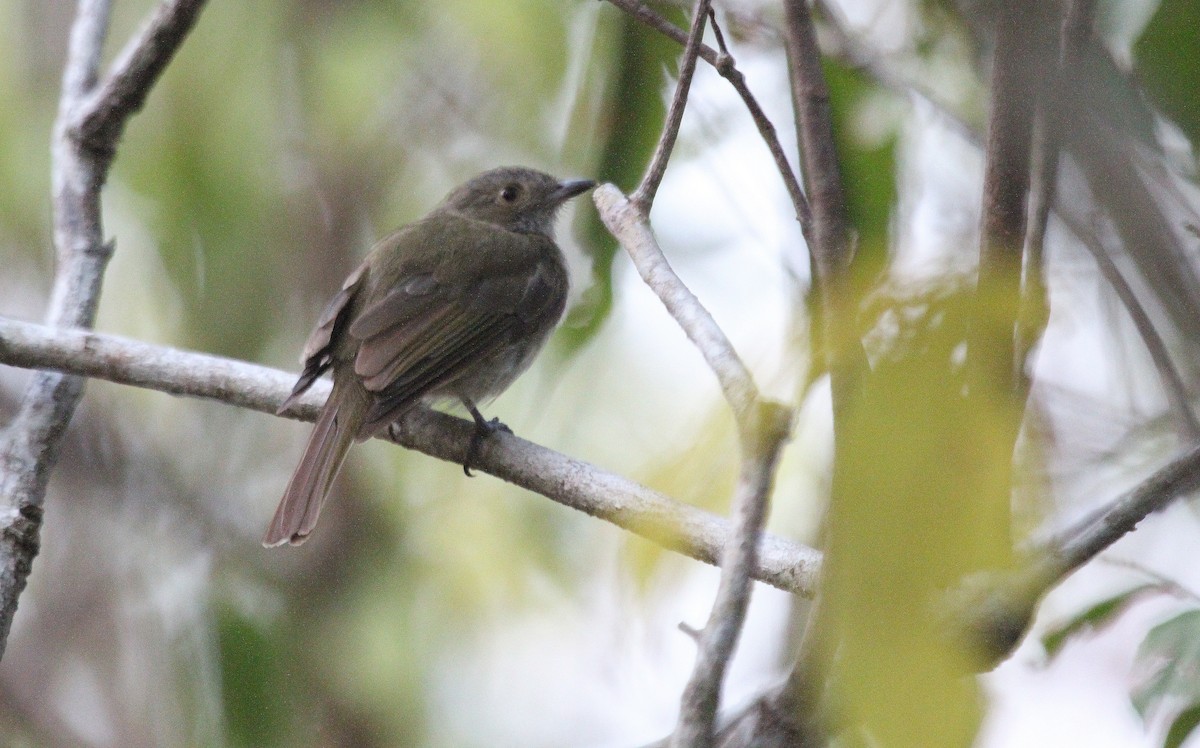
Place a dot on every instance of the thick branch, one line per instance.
(829, 240)
(631, 229)
(573, 483)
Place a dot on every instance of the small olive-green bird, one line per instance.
(453, 306)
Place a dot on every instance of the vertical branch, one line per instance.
(762, 439)
(997, 339)
(829, 241)
(1035, 303)
(763, 426)
(1008, 149)
(31, 441)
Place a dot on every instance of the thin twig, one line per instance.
(725, 66)
(573, 483)
(1168, 375)
(1034, 310)
(643, 196)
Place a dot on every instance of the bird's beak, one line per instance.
(569, 188)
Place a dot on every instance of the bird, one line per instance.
(453, 306)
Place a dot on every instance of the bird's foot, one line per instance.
(483, 429)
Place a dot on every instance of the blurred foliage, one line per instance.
(868, 163)
(256, 699)
(913, 512)
(633, 115)
(1167, 63)
(1093, 619)
(1169, 665)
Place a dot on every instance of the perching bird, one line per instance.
(455, 305)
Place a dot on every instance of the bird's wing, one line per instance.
(318, 349)
(423, 334)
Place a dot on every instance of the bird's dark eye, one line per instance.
(510, 193)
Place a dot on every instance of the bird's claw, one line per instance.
(483, 429)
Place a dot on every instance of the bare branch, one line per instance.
(631, 229)
(102, 116)
(643, 196)
(763, 428)
(1075, 547)
(829, 240)
(724, 65)
(31, 442)
(1008, 152)
(830, 243)
(83, 51)
(715, 647)
(573, 483)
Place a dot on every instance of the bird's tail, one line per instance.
(331, 438)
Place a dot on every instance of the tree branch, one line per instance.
(643, 196)
(32, 440)
(724, 64)
(1066, 553)
(760, 457)
(763, 428)
(101, 116)
(570, 482)
(631, 229)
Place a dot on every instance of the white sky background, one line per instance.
(602, 669)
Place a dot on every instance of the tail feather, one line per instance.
(301, 504)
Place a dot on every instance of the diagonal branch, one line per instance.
(631, 229)
(643, 196)
(573, 483)
(101, 117)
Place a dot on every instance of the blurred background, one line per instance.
(435, 610)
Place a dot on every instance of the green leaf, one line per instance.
(1183, 726)
(256, 708)
(868, 164)
(1094, 618)
(1167, 63)
(1168, 662)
